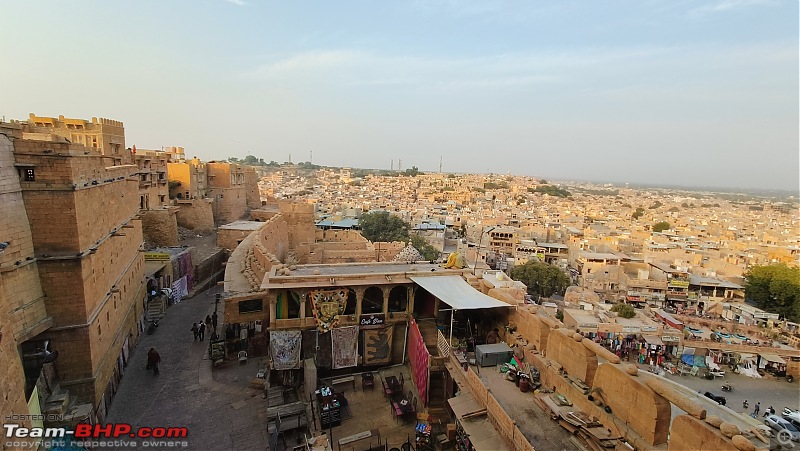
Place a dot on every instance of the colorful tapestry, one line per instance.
(378, 346)
(284, 348)
(418, 357)
(327, 304)
(344, 344)
(180, 289)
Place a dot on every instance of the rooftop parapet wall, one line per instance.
(633, 402)
(689, 433)
(574, 357)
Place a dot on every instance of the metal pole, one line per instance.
(451, 327)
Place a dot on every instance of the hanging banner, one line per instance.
(327, 304)
(418, 357)
(284, 348)
(344, 343)
(378, 346)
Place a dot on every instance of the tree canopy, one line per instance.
(661, 226)
(426, 249)
(542, 280)
(550, 190)
(383, 226)
(624, 310)
(776, 289)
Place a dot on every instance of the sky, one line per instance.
(676, 92)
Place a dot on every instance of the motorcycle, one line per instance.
(152, 327)
(727, 387)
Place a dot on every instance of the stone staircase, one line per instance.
(68, 410)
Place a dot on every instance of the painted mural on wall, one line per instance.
(327, 304)
(378, 346)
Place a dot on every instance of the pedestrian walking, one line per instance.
(195, 331)
(202, 330)
(757, 409)
(214, 320)
(745, 404)
(153, 359)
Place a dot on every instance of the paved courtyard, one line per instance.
(219, 415)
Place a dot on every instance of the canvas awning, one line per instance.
(457, 293)
(669, 319)
(151, 268)
(773, 358)
(653, 340)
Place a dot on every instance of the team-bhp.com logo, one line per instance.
(121, 434)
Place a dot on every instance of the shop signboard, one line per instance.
(583, 326)
(372, 321)
(678, 284)
(156, 257)
(631, 329)
(670, 338)
(649, 328)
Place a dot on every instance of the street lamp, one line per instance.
(478, 253)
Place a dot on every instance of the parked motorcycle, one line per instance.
(727, 387)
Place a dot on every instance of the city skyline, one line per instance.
(686, 93)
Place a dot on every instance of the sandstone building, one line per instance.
(212, 193)
(90, 268)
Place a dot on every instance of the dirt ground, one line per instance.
(539, 429)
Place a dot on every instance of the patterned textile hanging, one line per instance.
(327, 304)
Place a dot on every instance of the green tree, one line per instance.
(424, 247)
(661, 226)
(776, 289)
(413, 172)
(655, 205)
(550, 190)
(233, 159)
(542, 280)
(250, 160)
(383, 226)
(638, 213)
(624, 310)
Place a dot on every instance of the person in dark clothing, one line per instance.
(214, 320)
(195, 331)
(153, 359)
(202, 330)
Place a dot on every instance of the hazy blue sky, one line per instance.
(658, 91)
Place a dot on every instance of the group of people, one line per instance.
(770, 410)
(199, 328)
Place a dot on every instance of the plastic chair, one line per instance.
(242, 357)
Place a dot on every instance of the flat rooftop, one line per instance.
(365, 268)
(243, 225)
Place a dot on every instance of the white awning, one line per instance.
(457, 293)
(773, 358)
(653, 340)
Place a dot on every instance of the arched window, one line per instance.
(350, 307)
(398, 299)
(373, 301)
